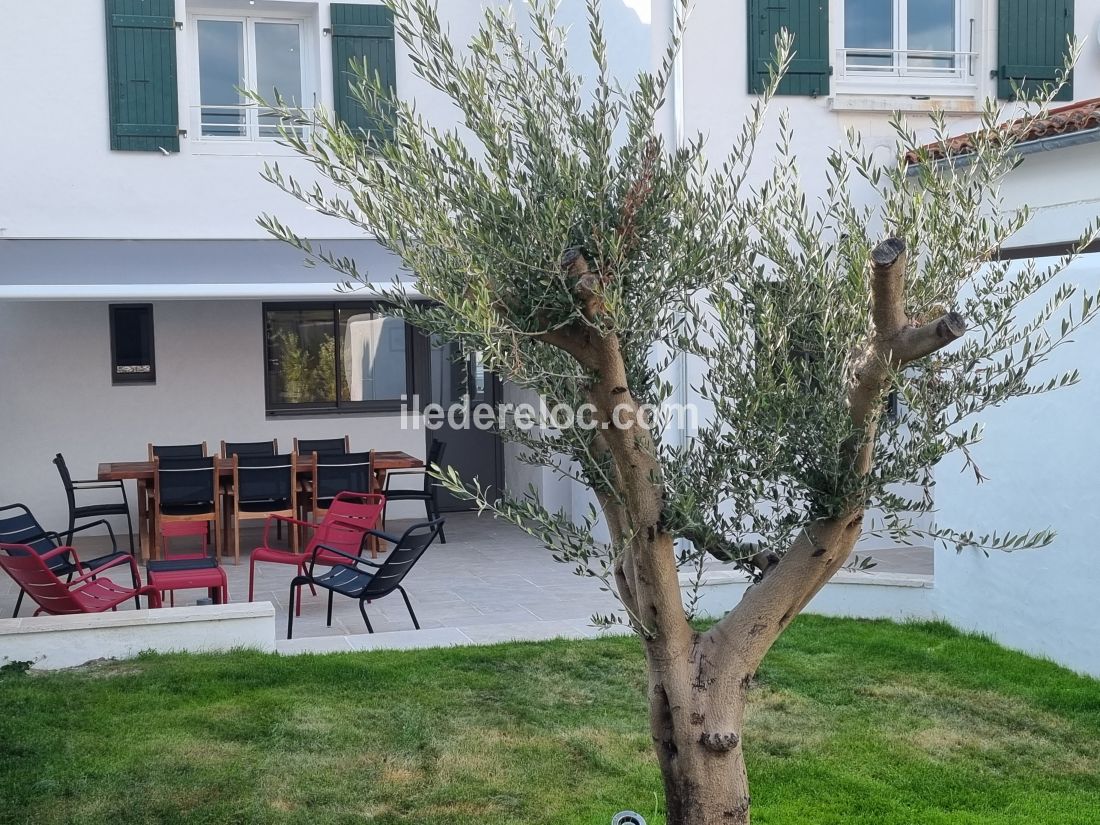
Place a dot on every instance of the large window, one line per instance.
(905, 38)
(335, 357)
(233, 53)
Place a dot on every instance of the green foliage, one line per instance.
(865, 723)
(307, 373)
(763, 287)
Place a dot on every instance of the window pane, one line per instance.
(278, 68)
(132, 343)
(221, 71)
(374, 361)
(301, 356)
(869, 24)
(932, 29)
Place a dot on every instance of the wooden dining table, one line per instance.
(142, 473)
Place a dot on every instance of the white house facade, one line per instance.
(857, 62)
(139, 300)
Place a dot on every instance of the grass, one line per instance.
(851, 722)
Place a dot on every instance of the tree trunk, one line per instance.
(698, 682)
(696, 724)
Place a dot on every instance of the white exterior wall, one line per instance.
(1040, 453)
(67, 182)
(210, 386)
(716, 97)
(60, 179)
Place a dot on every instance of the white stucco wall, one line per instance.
(58, 396)
(1039, 452)
(1040, 455)
(716, 96)
(60, 179)
(57, 642)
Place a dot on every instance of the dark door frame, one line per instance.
(423, 390)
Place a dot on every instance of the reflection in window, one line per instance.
(302, 357)
(323, 356)
(868, 31)
(278, 68)
(251, 54)
(902, 37)
(932, 29)
(373, 356)
(221, 72)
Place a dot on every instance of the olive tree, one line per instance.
(554, 231)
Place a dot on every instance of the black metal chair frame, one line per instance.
(427, 494)
(63, 565)
(96, 511)
(332, 582)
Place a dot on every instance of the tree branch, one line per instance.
(888, 288)
(913, 343)
(747, 632)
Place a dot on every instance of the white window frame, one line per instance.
(310, 86)
(900, 79)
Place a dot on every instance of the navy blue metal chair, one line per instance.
(19, 526)
(352, 580)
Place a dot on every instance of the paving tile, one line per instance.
(490, 580)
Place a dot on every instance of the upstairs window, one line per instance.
(232, 53)
(902, 39)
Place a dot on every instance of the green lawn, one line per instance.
(851, 722)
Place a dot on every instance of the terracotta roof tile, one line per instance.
(1077, 117)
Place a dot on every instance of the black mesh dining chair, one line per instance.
(185, 489)
(250, 448)
(97, 511)
(19, 526)
(366, 580)
(177, 451)
(244, 448)
(427, 490)
(335, 473)
(325, 446)
(263, 486)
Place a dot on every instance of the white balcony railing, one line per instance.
(956, 68)
(240, 123)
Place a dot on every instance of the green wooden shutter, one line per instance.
(1031, 45)
(808, 21)
(360, 33)
(141, 75)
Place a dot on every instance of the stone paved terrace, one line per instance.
(490, 579)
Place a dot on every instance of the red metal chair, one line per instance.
(90, 592)
(347, 520)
